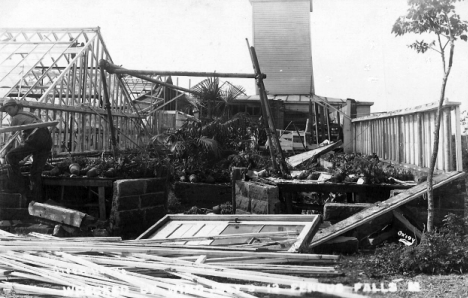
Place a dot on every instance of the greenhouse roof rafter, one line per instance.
(55, 73)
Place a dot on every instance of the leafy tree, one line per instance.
(440, 18)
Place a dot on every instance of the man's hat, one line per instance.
(9, 102)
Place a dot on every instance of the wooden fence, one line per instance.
(407, 136)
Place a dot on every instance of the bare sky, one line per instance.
(354, 53)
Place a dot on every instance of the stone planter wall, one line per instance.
(257, 197)
(136, 205)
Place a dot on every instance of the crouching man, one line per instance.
(36, 142)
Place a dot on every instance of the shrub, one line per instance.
(440, 252)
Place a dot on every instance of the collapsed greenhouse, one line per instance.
(108, 121)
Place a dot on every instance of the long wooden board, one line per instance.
(296, 160)
(28, 126)
(56, 213)
(380, 208)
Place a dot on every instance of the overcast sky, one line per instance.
(354, 53)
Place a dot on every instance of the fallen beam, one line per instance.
(296, 160)
(161, 251)
(56, 213)
(380, 208)
(28, 126)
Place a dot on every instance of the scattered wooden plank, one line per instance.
(300, 158)
(56, 213)
(380, 208)
(137, 274)
(28, 126)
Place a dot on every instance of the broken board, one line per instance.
(28, 126)
(56, 213)
(380, 208)
(296, 160)
(235, 230)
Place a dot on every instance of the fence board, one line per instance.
(407, 136)
(458, 146)
(440, 153)
(447, 140)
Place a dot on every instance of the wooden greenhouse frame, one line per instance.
(55, 74)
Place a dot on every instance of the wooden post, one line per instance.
(236, 174)
(385, 138)
(316, 124)
(419, 140)
(322, 122)
(447, 134)
(338, 122)
(72, 133)
(327, 117)
(271, 126)
(109, 114)
(347, 128)
(407, 156)
(299, 134)
(458, 141)
(427, 140)
(311, 120)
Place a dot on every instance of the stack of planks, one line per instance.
(43, 265)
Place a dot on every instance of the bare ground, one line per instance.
(430, 286)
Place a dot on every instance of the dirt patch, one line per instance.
(356, 274)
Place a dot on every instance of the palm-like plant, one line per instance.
(197, 145)
(214, 98)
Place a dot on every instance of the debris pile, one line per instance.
(95, 267)
(351, 168)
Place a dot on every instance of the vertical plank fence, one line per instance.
(406, 136)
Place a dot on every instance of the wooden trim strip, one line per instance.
(28, 126)
(422, 108)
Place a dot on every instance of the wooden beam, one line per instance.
(458, 141)
(184, 73)
(109, 114)
(67, 30)
(56, 213)
(300, 158)
(447, 139)
(381, 208)
(422, 108)
(80, 109)
(28, 126)
(271, 129)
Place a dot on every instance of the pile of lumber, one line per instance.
(43, 265)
